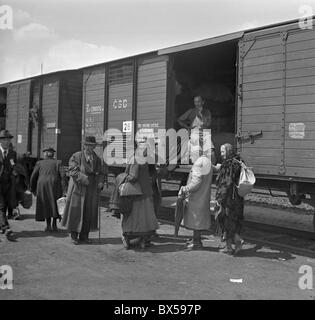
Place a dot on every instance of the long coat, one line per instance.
(82, 201)
(47, 181)
(13, 179)
(197, 209)
(232, 214)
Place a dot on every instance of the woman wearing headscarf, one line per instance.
(141, 223)
(197, 193)
(47, 182)
(230, 206)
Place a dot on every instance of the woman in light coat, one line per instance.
(198, 193)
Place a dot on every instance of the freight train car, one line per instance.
(259, 86)
(44, 111)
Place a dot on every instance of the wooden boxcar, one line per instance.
(45, 111)
(259, 85)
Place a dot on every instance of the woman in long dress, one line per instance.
(141, 224)
(47, 183)
(230, 205)
(197, 193)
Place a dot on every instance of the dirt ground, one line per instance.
(49, 266)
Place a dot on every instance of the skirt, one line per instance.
(142, 219)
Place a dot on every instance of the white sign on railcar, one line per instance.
(127, 126)
(19, 138)
(120, 104)
(297, 130)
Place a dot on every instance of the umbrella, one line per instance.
(179, 212)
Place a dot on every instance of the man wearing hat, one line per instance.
(86, 181)
(7, 166)
(47, 182)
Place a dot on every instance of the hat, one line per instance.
(90, 140)
(50, 149)
(5, 134)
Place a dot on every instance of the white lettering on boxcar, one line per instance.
(297, 130)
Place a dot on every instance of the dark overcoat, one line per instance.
(46, 182)
(83, 200)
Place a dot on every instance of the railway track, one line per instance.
(281, 238)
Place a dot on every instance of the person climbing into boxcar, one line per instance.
(197, 193)
(48, 183)
(195, 120)
(140, 224)
(86, 182)
(229, 205)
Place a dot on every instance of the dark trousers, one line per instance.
(4, 206)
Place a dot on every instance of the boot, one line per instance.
(238, 243)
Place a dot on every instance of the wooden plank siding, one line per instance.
(277, 77)
(17, 118)
(120, 104)
(50, 102)
(152, 93)
(260, 107)
(300, 102)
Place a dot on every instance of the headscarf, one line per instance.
(229, 151)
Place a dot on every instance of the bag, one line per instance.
(61, 203)
(127, 189)
(27, 200)
(246, 181)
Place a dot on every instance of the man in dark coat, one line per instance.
(47, 182)
(7, 172)
(86, 181)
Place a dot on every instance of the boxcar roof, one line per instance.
(180, 47)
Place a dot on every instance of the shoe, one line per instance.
(126, 243)
(85, 241)
(227, 250)
(238, 247)
(194, 246)
(75, 241)
(48, 229)
(8, 233)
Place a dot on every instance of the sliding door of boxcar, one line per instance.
(120, 105)
(50, 103)
(300, 103)
(94, 102)
(261, 102)
(151, 94)
(17, 118)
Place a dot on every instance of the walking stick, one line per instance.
(99, 218)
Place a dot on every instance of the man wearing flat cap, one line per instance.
(47, 182)
(86, 181)
(7, 166)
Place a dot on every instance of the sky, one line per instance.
(68, 34)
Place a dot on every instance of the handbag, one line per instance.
(129, 189)
(27, 200)
(61, 203)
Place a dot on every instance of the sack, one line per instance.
(246, 181)
(82, 179)
(127, 189)
(61, 203)
(27, 200)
